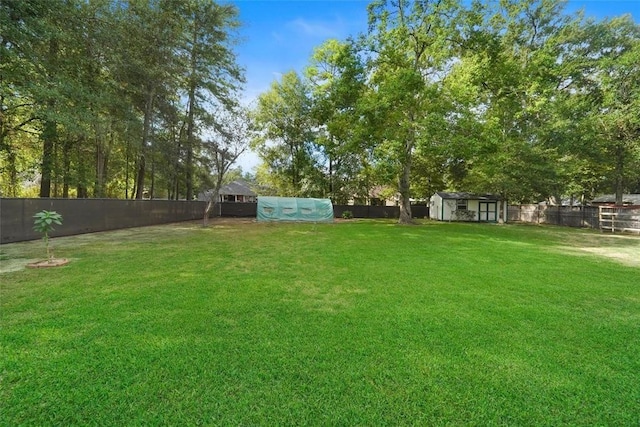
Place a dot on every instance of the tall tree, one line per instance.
(615, 50)
(514, 62)
(148, 66)
(285, 141)
(224, 148)
(411, 48)
(337, 80)
(213, 75)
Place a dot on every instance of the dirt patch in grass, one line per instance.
(17, 264)
(624, 249)
(16, 256)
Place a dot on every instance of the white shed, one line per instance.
(466, 207)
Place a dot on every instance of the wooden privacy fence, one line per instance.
(617, 218)
(358, 211)
(92, 215)
(568, 216)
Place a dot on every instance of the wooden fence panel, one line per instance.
(568, 216)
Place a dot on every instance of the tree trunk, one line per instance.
(619, 178)
(49, 134)
(126, 173)
(50, 131)
(148, 111)
(404, 184)
(102, 161)
(153, 177)
(501, 219)
(66, 168)
(190, 138)
(83, 192)
(405, 197)
(190, 142)
(213, 199)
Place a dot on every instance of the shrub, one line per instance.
(347, 215)
(43, 223)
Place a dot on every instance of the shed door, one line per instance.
(488, 212)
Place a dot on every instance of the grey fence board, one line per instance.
(568, 216)
(93, 215)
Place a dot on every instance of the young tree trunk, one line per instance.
(146, 130)
(190, 134)
(189, 159)
(49, 134)
(405, 198)
(102, 161)
(66, 167)
(619, 171)
(404, 184)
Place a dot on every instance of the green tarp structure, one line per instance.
(294, 209)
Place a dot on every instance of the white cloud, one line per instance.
(318, 29)
(277, 36)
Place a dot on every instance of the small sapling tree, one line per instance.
(43, 223)
(224, 148)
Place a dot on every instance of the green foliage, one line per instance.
(93, 93)
(412, 45)
(347, 215)
(520, 98)
(285, 140)
(517, 98)
(324, 325)
(464, 215)
(44, 223)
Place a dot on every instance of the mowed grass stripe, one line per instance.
(355, 323)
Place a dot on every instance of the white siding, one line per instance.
(445, 210)
(435, 207)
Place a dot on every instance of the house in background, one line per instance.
(380, 195)
(466, 207)
(236, 191)
(610, 200)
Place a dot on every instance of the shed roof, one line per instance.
(627, 199)
(237, 188)
(468, 196)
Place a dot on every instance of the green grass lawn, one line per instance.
(354, 323)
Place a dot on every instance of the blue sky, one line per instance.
(278, 36)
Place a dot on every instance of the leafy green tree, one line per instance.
(410, 45)
(223, 149)
(514, 62)
(213, 76)
(285, 140)
(337, 80)
(44, 222)
(615, 49)
(149, 66)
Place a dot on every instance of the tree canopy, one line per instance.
(518, 98)
(113, 98)
(136, 98)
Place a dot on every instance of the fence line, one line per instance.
(568, 216)
(93, 215)
(616, 218)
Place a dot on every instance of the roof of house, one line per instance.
(627, 199)
(237, 188)
(468, 196)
